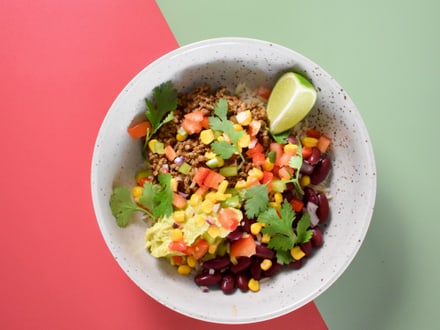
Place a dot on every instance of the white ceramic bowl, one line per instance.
(226, 62)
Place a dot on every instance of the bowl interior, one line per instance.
(227, 62)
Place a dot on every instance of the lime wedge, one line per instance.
(292, 97)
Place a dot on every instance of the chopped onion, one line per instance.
(311, 209)
(179, 160)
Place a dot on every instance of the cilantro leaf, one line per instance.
(257, 199)
(278, 228)
(122, 206)
(280, 137)
(163, 103)
(163, 199)
(147, 199)
(284, 256)
(220, 122)
(303, 233)
(223, 149)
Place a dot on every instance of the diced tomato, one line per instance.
(191, 126)
(199, 248)
(139, 130)
(278, 148)
(200, 175)
(201, 190)
(306, 152)
(258, 148)
(177, 260)
(213, 179)
(252, 181)
(195, 116)
(170, 153)
(179, 201)
(312, 132)
(264, 92)
(178, 246)
(258, 159)
(285, 173)
(267, 179)
(297, 204)
(205, 122)
(243, 247)
(228, 218)
(285, 158)
(323, 143)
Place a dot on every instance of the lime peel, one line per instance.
(292, 98)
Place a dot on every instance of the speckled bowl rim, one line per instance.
(353, 180)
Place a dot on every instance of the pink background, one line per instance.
(62, 64)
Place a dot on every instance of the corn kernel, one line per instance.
(191, 261)
(238, 127)
(137, 191)
(213, 231)
(290, 147)
(278, 197)
(256, 173)
(212, 249)
(221, 197)
(275, 205)
(244, 118)
(221, 138)
(222, 186)
(244, 141)
(211, 196)
(207, 136)
(254, 285)
(240, 184)
(305, 181)
(207, 206)
(184, 269)
(173, 184)
(309, 141)
(256, 228)
(266, 264)
(209, 155)
(265, 238)
(179, 216)
(195, 199)
(176, 235)
(297, 253)
(268, 165)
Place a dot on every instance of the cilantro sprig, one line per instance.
(279, 227)
(220, 122)
(156, 201)
(159, 109)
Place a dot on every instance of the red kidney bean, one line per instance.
(317, 237)
(306, 168)
(314, 157)
(207, 279)
(297, 264)
(255, 269)
(242, 282)
(235, 235)
(321, 171)
(227, 283)
(307, 248)
(274, 269)
(323, 208)
(242, 264)
(264, 252)
(218, 263)
(245, 224)
(310, 196)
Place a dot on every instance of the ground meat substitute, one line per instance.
(193, 151)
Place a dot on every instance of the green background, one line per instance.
(385, 54)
